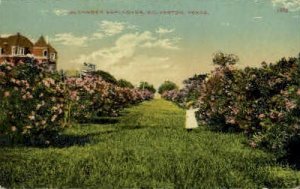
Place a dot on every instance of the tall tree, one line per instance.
(146, 86)
(124, 83)
(167, 86)
(105, 76)
(222, 59)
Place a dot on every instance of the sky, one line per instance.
(157, 40)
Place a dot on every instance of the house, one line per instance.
(87, 69)
(16, 48)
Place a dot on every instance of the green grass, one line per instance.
(147, 147)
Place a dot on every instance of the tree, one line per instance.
(125, 84)
(223, 60)
(167, 86)
(146, 86)
(105, 76)
(192, 87)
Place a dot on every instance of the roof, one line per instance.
(20, 40)
(41, 42)
(16, 40)
(51, 49)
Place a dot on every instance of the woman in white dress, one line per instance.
(191, 122)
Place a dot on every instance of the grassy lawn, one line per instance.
(146, 147)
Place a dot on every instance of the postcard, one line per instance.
(149, 93)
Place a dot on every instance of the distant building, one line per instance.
(87, 69)
(16, 48)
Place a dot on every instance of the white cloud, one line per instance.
(98, 35)
(125, 48)
(134, 55)
(111, 28)
(161, 30)
(132, 27)
(69, 39)
(153, 69)
(291, 5)
(162, 43)
(60, 12)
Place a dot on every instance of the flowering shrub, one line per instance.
(86, 95)
(217, 99)
(281, 126)
(261, 102)
(32, 103)
(176, 96)
(188, 95)
(91, 96)
(36, 104)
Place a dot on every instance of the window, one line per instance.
(14, 50)
(52, 56)
(21, 51)
(45, 53)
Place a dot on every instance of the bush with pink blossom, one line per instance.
(36, 104)
(32, 103)
(261, 102)
(189, 94)
(91, 97)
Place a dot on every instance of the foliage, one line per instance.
(167, 86)
(222, 59)
(261, 102)
(37, 104)
(125, 84)
(251, 100)
(32, 103)
(189, 94)
(145, 148)
(96, 97)
(105, 76)
(146, 86)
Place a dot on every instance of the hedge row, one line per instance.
(37, 104)
(262, 102)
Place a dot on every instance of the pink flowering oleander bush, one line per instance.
(280, 132)
(189, 94)
(32, 103)
(86, 96)
(92, 97)
(216, 102)
(261, 102)
(36, 104)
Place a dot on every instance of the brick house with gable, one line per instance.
(16, 48)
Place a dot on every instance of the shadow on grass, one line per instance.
(102, 120)
(59, 141)
(132, 127)
(64, 141)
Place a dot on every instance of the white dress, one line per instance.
(191, 122)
